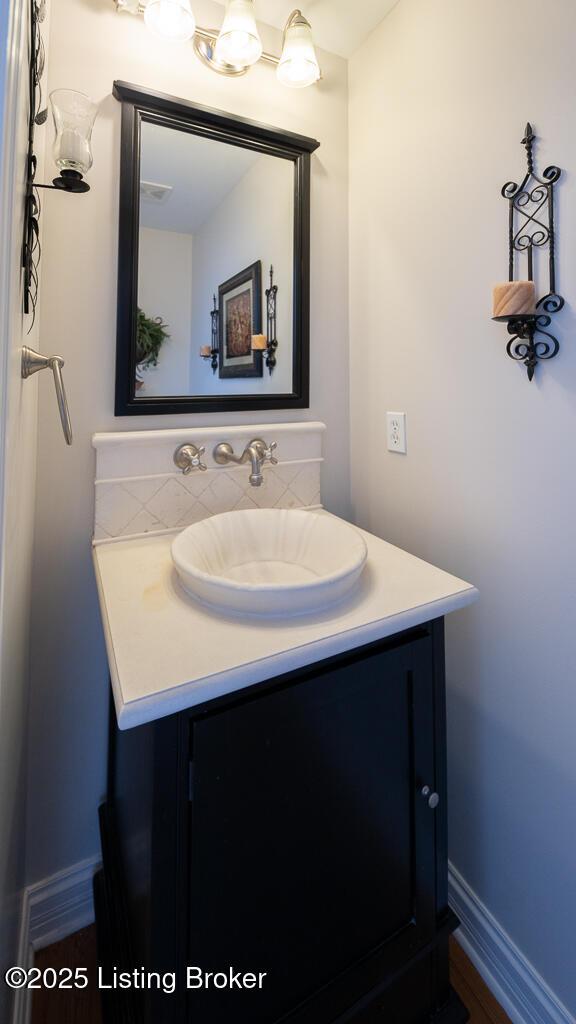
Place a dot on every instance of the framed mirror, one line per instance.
(214, 260)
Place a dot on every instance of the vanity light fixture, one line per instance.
(237, 46)
(74, 115)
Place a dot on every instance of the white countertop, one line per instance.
(167, 652)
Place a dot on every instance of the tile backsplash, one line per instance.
(139, 490)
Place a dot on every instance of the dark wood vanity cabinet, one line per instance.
(296, 830)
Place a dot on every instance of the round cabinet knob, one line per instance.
(431, 798)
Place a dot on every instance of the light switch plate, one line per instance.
(396, 432)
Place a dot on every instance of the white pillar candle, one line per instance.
(259, 342)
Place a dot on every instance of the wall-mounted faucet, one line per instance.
(257, 452)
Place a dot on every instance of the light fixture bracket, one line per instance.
(295, 18)
(204, 48)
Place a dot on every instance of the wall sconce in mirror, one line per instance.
(211, 351)
(530, 229)
(74, 115)
(237, 46)
(268, 342)
(271, 339)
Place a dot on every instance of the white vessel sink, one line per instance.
(269, 561)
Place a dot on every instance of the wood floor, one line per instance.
(475, 995)
(83, 1007)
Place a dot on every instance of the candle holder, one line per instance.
(530, 229)
(212, 354)
(74, 116)
(272, 341)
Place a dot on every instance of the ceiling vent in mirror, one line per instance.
(155, 192)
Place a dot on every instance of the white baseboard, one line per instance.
(61, 904)
(517, 986)
(51, 910)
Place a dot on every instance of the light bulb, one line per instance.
(298, 65)
(239, 43)
(172, 19)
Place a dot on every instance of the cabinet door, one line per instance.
(311, 848)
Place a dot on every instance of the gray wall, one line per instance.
(91, 45)
(439, 97)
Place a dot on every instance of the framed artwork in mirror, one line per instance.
(206, 200)
(240, 306)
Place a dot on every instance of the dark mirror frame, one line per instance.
(139, 105)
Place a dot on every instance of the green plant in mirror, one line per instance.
(150, 337)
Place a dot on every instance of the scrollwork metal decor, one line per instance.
(37, 115)
(67, 181)
(212, 355)
(271, 339)
(531, 228)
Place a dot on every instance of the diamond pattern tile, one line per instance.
(144, 489)
(132, 506)
(171, 503)
(115, 507)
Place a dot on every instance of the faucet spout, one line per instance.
(257, 452)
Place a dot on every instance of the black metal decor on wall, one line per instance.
(67, 181)
(531, 228)
(271, 339)
(212, 350)
(214, 329)
(37, 115)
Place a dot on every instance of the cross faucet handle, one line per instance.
(188, 457)
(268, 453)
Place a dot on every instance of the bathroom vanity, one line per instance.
(276, 811)
(274, 834)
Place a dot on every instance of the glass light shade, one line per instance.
(239, 43)
(298, 65)
(74, 115)
(172, 19)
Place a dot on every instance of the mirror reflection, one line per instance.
(215, 267)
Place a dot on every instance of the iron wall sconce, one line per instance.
(74, 115)
(211, 351)
(268, 342)
(531, 228)
(272, 340)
